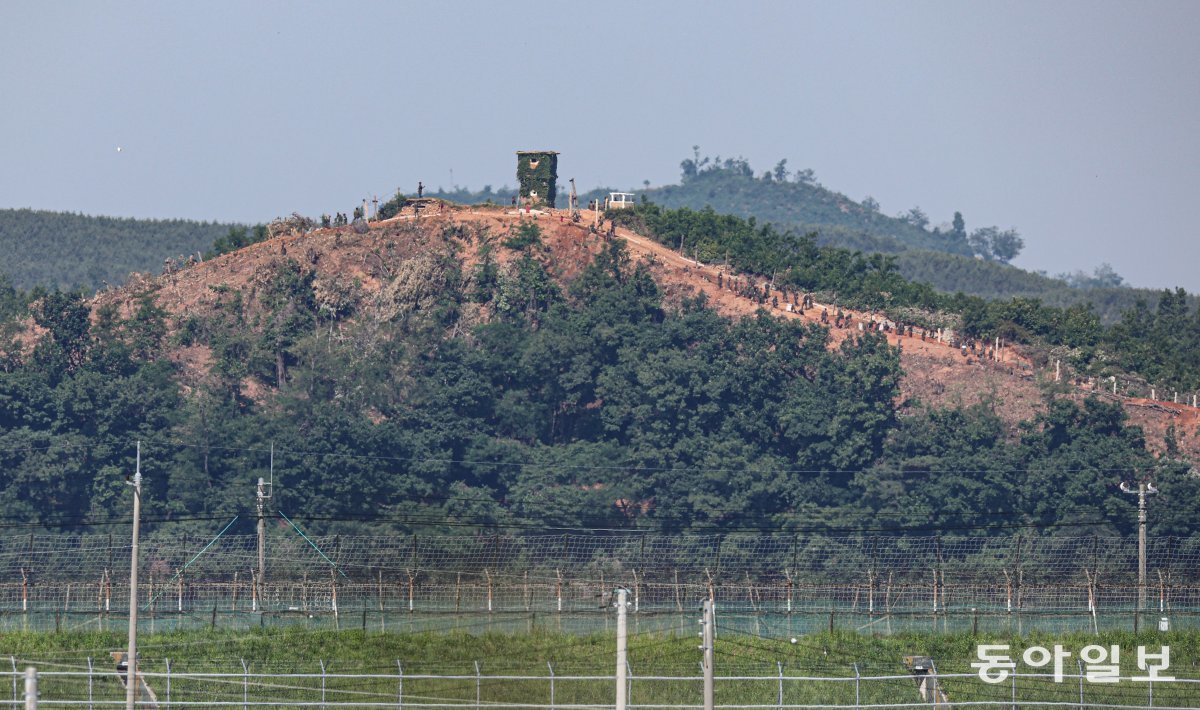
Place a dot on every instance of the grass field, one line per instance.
(293, 665)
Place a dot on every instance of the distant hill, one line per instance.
(67, 250)
(951, 273)
(730, 187)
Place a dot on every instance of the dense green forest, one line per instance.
(592, 404)
(66, 250)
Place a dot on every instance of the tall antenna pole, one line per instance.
(131, 664)
(1145, 487)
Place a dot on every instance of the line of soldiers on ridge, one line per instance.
(844, 319)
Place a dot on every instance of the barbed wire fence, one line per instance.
(853, 686)
(52, 581)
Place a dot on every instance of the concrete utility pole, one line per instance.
(1145, 487)
(131, 686)
(31, 691)
(709, 632)
(260, 499)
(622, 648)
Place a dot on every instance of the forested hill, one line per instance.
(476, 368)
(798, 201)
(67, 250)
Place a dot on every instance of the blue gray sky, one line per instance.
(1074, 122)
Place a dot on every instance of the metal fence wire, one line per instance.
(48, 579)
(779, 687)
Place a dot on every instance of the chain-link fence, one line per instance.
(881, 582)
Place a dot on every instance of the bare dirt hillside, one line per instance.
(391, 252)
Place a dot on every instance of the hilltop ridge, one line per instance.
(361, 263)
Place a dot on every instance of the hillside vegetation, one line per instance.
(66, 250)
(748, 667)
(1157, 344)
(477, 370)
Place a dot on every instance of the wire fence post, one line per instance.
(399, 685)
(478, 685)
(90, 706)
(168, 662)
(551, 667)
(322, 684)
(245, 685)
(14, 679)
(779, 665)
(1079, 663)
(857, 688)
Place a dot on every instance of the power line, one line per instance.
(409, 521)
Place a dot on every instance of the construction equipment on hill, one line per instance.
(573, 202)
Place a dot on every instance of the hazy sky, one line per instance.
(1074, 122)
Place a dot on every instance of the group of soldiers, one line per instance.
(608, 233)
(339, 219)
(766, 292)
(794, 301)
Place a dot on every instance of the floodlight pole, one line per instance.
(1145, 487)
(131, 664)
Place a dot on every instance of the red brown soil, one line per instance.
(936, 375)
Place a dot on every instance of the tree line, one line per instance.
(74, 251)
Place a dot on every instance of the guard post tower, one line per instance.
(537, 177)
